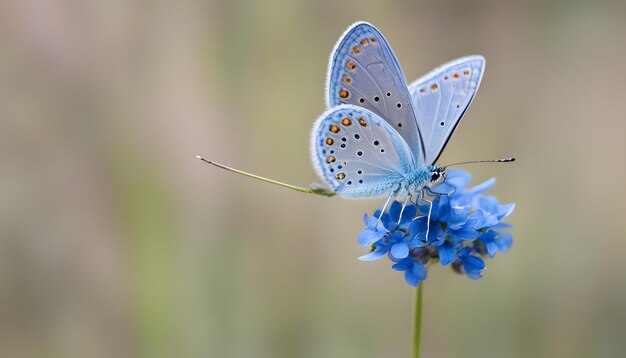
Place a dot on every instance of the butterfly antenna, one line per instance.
(318, 191)
(503, 160)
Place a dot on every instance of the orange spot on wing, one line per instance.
(330, 159)
(344, 93)
(346, 79)
(356, 50)
(340, 176)
(434, 87)
(329, 141)
(363, 42)
(362, 122)
(351, 65)
(456, 75)
(466, 73)
(346, 121)
(334, 128)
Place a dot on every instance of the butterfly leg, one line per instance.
(384, 208)
(430, 209)
(434, 193)
(406, 200)
(417, 202)
(421, 196)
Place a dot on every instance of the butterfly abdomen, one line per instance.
(381, 189)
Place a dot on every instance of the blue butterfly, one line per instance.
(381, 137)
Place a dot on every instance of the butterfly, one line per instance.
(382, 137)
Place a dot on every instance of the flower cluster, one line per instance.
(465, 226)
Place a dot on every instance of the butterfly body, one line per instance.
(380, 136)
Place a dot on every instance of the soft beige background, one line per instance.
(116, 242)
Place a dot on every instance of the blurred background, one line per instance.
(116, 242)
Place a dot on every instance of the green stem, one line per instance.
(317, 191)
(417, 324)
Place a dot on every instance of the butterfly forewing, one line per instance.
(363, 71)
(358, 154)
(441, 98)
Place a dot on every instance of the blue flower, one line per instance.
(447, 253)
(464, 225)
(379, 250)
(472, 265)
(399, 246)
(373, 231)
(414, 272)
(495, 241)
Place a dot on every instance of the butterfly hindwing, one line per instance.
(358, 154)
(363, 71)
(441, 98)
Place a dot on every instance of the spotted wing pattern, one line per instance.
(363, 71)
(441, 98)
(358, 154)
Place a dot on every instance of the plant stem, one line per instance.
(417, 324)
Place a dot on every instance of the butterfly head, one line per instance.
(437, 174)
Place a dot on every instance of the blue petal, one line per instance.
(464, 234)
(418, 225)
(383, 221)
(436, 235)
(504, 242)
(489, 204)
(418, 241)
(502, 225)
(473, 263)
(457, 219)
(368, 236)
(409, 213)
(394, 213)
(486, 185)
(416, 274)
(464, 252)
(457, 178)
(411, 279)
(402, 265)
(400, 250)
(476, 220)
(491, 248)
(506, 210)
(474, 275)
(419, 271)
(447, 253)
(397, 236)
(378, 252)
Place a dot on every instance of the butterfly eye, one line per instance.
(434, 176)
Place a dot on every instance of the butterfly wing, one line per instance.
(441, 98)
(363, 71)
(359, 154)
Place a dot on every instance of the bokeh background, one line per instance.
(116, 242)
